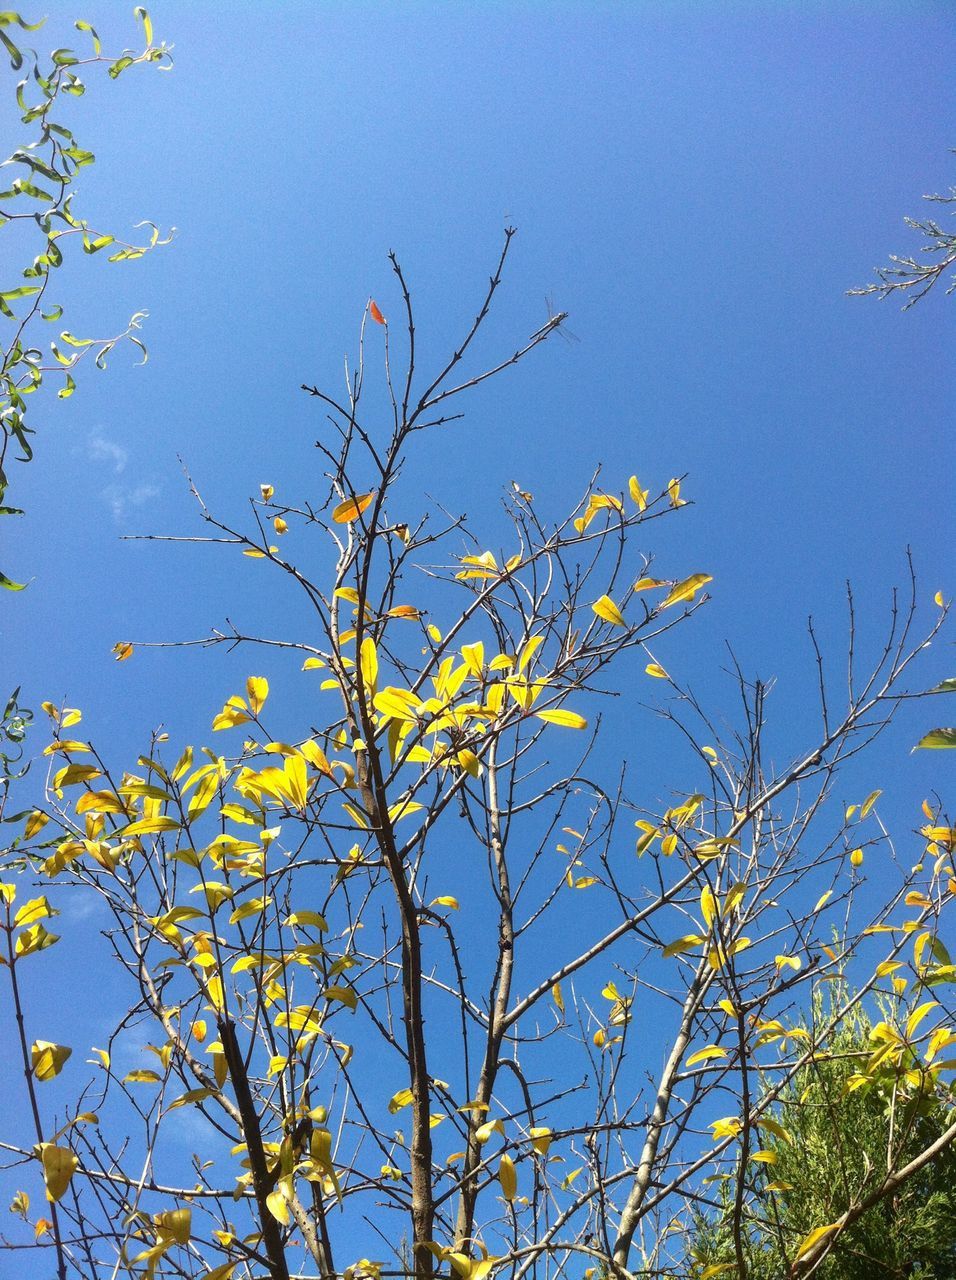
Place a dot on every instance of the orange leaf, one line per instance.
(352, 508)
(123, 650)
(374, 311)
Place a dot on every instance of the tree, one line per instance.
(37, 206)
(912, 278)
(437, 991)
(842, 1124)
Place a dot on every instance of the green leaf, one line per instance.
(947, 686)
(9, 585)
(24, 291)
(86, 26)
(119, 66)
(938, 738)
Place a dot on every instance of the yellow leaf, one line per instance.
(567, 719)
(446, 900)
(404, 611)
(150, 826)
(528, 651)
(267, 490)
(279, 525)
(638, 495)
(705, 1055)
(869, 802)
(728, 1127)
(558, 997)
(399, 1100)
(397, 704)
(122, 650)
(508, 1178)
(673, 492)
(917, 1016)
(278, 1204)
(141, 1076)
(823, 899)
(657, 671)
(70, 774)
(938, 599)
(174, 1224)
(352, 508)
(685, 943)
(34, 910)
(35, 823)
(686, 590)
(313, 664)
(474, 656)
(540, 1139)
(368, 664)
(856, 858)
(47, 1059)
(59, 1166)
(257, 690)
(708, 905)
(647, 584)
(606, 608)
(810, 1241)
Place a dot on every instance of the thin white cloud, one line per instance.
(100, 449)
(122, 499)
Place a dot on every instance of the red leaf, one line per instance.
(374, 311)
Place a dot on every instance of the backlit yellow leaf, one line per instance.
(809, 1242)
(47, 1059)
(606, 608)
(638, 495)
(567, 719)
(508, 1178)
(869, 802)
(122, 651)
(708, 905)
(657, 671)
(257, 690)
(35, 823)
(686, 590)
(352, 508)
(59, 1166)
(706, 1055)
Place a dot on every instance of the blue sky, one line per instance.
(697, 184)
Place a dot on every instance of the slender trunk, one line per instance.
(251, 1131)
(497, 1021)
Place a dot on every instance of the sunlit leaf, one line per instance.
(47, 1059)
(938, 739)
(59, 1166)
(606, 609)
(352, 508)
(567, 719)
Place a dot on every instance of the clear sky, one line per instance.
(697, 184)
